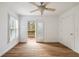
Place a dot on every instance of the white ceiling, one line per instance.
(24, 8)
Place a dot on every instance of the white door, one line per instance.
(68, 32)
(77, 29)
(39, 32)
(77, 35)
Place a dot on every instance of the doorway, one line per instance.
(31, 31)
(35, 31)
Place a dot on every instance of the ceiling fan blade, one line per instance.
(50, 9)
(34, 10)
(34, 4)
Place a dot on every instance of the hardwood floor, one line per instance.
(33, 49)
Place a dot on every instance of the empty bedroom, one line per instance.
(39, 29)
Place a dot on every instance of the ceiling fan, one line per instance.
(42, 7)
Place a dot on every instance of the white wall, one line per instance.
(73, 16)
(4, 45)
(50, 27)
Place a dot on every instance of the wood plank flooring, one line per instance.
(33, 49)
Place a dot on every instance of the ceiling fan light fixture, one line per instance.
(43, 7)
(41, 3)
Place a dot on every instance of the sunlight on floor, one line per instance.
(31, 42)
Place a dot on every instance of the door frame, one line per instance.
(27, 27)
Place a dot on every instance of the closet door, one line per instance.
(68, 32)
(77, 29)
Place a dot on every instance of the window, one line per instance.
(13, 27)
